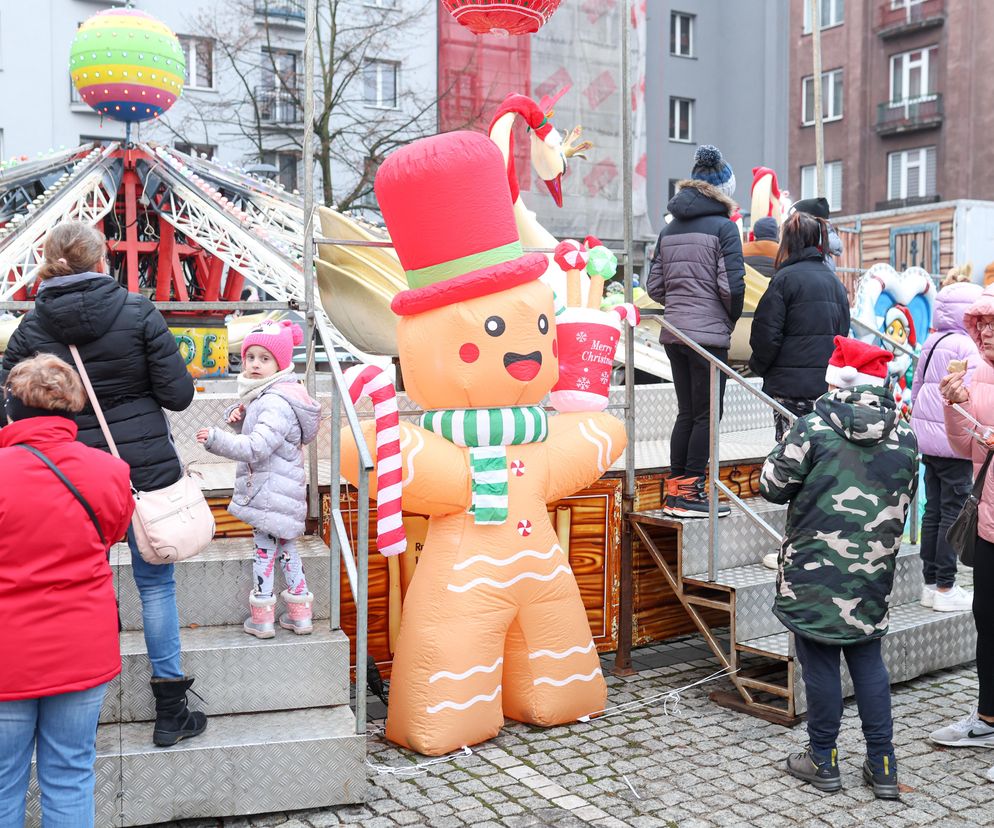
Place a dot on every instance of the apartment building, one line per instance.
(906, 97)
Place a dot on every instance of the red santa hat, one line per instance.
(856, 363)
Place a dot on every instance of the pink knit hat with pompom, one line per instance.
(276, 337)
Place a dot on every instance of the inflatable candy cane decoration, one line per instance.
(371, 381)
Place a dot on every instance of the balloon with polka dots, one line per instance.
(127, 65)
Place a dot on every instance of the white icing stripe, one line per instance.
(534, 576)
(570, 680)
(525, 553)
(451, 705)
(607, 439)
(479, 668)
(563, 654)
(595, 443)
(410, 457)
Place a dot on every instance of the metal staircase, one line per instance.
(715, 569)
(281, 734)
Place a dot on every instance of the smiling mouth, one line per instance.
(524, 367)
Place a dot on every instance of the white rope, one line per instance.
(671, 699)
(417, 769)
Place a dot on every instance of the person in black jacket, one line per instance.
(698, 276)
(136, 370)
(797, 319)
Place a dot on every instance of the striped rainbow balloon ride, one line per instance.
(127, 65)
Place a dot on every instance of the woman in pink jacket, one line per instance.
(978, 400)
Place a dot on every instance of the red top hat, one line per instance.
(448, 208)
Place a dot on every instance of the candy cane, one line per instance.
(629, 313)
(371, 381)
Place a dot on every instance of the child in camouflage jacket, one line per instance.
(848, 471)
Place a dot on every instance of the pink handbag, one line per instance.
(170, 524)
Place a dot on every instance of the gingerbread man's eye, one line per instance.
(543, 324)
(494, 326)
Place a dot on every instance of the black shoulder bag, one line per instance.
(68, 484)
(962, 535)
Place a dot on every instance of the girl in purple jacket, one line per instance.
(948, 477)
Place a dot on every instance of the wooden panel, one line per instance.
(875, 232)
(594, 555)
(228, 526)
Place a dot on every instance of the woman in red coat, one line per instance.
(59, 646)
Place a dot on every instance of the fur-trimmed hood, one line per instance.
(698, 198)
(983, 306)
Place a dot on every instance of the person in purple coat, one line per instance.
(948, 477)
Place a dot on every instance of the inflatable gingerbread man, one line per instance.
(493, 622)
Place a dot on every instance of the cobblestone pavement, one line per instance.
(690, 765)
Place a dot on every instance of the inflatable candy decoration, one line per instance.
(372, 381)
(493, 624)
(571, 256)
(602, 265)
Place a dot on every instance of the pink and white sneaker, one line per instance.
(298, 614)
(260, 622)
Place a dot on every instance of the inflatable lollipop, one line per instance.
(127, 65)
(571, 256)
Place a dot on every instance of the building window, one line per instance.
(681, 34)
(681, 119)
(831, 97)
(198, 150)
(830, 13)
(903, 4)
(286, 163)
(912, 77)
(911, 174)
(833, 184)
(199, 53)
(381, 4)
(671, 191)
(380, 82)
(278, 96)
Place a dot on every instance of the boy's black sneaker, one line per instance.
(821, 772)
(691, 500)
(882, 778)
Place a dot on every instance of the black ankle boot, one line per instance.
(173, 719)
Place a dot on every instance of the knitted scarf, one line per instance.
(249, 389)
(487, 432)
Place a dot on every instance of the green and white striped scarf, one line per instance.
(487, 432)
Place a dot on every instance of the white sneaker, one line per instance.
(772, 561)
(928, 595)
(956, 600)
(971, 731)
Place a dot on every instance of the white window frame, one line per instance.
(681, 19)
(836, 14)
(189, 44)
(380, 64)
(833, 183)
(833, 109)
(906, 66)
(903, 4)
(387, 5)
(675, 119)
(917, 158)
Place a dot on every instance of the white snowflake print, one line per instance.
(581, 336)
(605, 378)
(583, 383)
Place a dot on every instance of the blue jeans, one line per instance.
(65, 729)
(823, 684)
(157, 590)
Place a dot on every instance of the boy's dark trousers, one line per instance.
(823, 685)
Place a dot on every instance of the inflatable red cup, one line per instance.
(587, 340)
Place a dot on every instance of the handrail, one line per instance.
(869, 329)
(714, 483)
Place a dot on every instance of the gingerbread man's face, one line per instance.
(495, 350)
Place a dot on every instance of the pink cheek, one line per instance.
(469, 352)
(555, 349)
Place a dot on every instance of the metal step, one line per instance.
(741, 541)
(212, 589)
(237, 673)
(755, 588)
(247, 764)
(919, 641)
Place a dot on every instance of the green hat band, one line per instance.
(424, 276)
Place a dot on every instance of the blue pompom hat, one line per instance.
(710, 167)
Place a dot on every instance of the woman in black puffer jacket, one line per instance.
(796, 322)
(136, 370)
